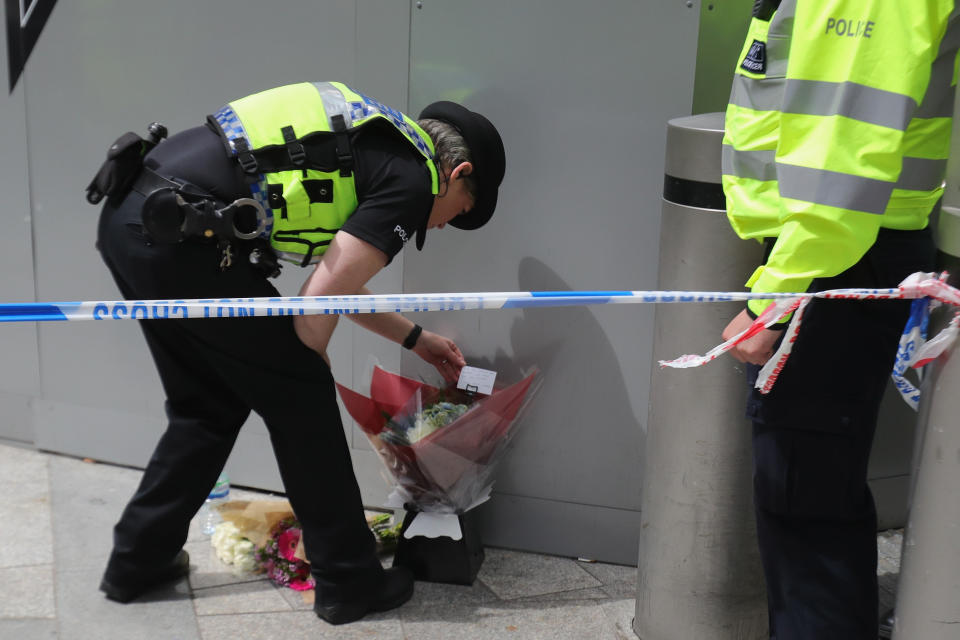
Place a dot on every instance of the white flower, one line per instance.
(232, 548)
(243, 559)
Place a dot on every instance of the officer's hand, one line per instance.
(442, 353)
(755, 350)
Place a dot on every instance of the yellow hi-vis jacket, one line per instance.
(294, 143)
(838, 124)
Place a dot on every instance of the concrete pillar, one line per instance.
(928, 594)
(699, 573)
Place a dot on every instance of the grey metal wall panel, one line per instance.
(581, 94)
(559, 528)
(20, 374)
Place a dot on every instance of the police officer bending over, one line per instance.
(314, 173)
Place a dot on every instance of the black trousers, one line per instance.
(812, 434)
(214, 372)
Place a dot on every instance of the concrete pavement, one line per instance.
(56, 516)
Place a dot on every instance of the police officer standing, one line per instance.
(837, 136)
(314, 173)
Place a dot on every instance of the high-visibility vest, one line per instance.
(294, 142)
(838, 124)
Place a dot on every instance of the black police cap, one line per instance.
(486, 151)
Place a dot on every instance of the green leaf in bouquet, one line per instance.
(380, 521)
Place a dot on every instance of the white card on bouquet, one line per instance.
(476, 380)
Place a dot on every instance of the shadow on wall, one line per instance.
(580, 440)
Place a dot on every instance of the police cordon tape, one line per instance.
(913, 352)
(919, 286)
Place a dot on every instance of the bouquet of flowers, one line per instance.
(264, 536)
(440, 446)
(278, 557)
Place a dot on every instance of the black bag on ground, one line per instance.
(442, 559)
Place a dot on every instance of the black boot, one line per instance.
(395, 588)
(120, 590)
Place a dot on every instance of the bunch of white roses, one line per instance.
(233, 549)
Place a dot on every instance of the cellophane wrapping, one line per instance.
(439, 445)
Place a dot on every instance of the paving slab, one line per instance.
(49, 578)
(247, 597)
(28, 630)
(618, 581)
(26, 530)
(21, 464)
(563, 620)
(436, 594)
(27, 592)
(620, 612)
(619, 590)
(511, 574)
(85, 614)
(87, 499)
(25, 525)
(297, 600)
(582, 595)
(296, 624)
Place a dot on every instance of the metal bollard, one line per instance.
(699, 573)
(928, 594)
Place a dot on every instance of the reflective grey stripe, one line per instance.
(754, 165)
(938, 101)
(834, 189)
(921, 174)
(778, 48)
(815, 98)
(333, 102)
(760, 95)
(782, 21)
(851, 100)
(779, 36)
(918, 174)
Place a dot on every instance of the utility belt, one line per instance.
(174, 211)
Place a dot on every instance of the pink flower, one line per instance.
(278, 576)
(288, 542)
(299, 584)
(276, 557)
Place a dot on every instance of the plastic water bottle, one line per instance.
(209, 514)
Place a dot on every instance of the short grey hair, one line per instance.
(450, 148)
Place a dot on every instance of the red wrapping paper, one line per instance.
(452, 467)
